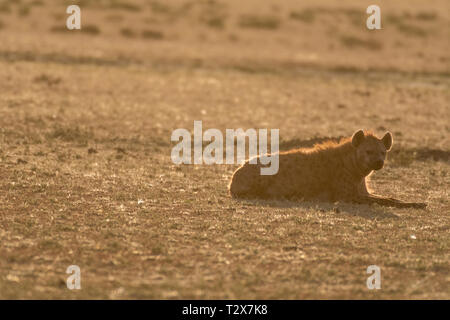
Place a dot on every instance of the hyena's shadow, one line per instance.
(362, 210)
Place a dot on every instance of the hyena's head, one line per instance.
(371, 151)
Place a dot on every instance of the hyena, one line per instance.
(330, 171)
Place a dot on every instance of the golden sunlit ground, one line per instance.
(86, 176)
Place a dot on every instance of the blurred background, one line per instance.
(86, 119)
(240, 34)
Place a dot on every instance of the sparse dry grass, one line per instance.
(306, 15)
(152, 34)
(127, 32)
(403, 25)
(259, 22)
(427, 15)
(91, 29)
(354, 42)
(214, 21)
(86, 176)
(124, 5)
(5, 8)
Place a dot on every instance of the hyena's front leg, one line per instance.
(356, 191)
(385, 201)
(390, 202)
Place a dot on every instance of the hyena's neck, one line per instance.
(352, 165)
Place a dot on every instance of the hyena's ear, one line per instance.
(387, 140)
(357, 138)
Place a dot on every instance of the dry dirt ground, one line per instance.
(85, 171)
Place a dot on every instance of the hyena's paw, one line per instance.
(418, 205)
(414, 205)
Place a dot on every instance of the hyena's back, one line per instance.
(301, 175)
